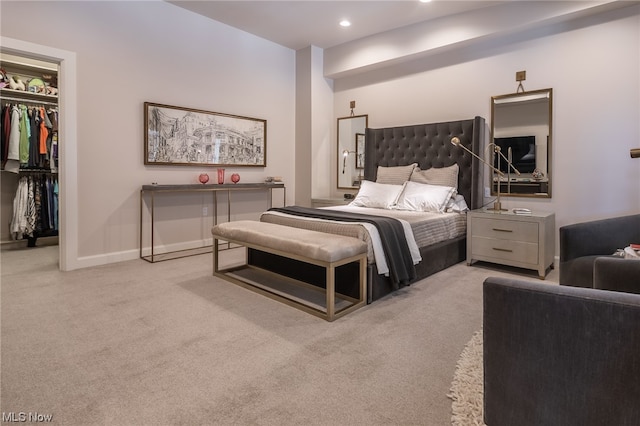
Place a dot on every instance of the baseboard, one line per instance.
(187, 245)
(105, 259)
(122, 256)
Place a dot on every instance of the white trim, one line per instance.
(121, 256)
(169, 248)
(105, 259)
(68, 159)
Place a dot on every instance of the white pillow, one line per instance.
(457, 204)
(377, 195)
(424, 197)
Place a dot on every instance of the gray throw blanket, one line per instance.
(394, 242)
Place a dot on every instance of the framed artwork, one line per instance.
(359, 150)
(180, 136)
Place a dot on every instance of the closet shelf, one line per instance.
(18, 95)
(28, 69)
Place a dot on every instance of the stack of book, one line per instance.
(521, 210)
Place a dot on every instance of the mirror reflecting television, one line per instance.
(522, 122)
(523, 153)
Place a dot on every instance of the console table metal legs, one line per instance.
(149, 193)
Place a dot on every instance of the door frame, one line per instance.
(68, 148)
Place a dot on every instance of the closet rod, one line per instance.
(25, 101)
(37, 171)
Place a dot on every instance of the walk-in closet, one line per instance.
(30, 147)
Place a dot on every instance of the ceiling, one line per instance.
(303, 23)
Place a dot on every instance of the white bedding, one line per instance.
(421, 229)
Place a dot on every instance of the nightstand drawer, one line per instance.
(505, 229)
(503, 249)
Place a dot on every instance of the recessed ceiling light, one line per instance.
(345, 23)
(425, 1)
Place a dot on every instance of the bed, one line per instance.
(440, 236)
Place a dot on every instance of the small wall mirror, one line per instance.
(351, 150)
(521, 124)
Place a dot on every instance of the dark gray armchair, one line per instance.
(586, 254)
(557, 355)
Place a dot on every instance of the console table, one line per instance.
(150, 192)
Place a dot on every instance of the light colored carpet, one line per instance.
(136, 343)
(467, 386)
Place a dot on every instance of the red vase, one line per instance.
(220, 176)
(235, 178)
(203, 178)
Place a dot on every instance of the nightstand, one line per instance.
(506, 238)
(328, 202)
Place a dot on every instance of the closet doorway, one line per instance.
(30, 187)
(67, 153)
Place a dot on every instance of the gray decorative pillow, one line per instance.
(444, 176)
(395, 175)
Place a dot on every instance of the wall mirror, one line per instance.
(351, 150)
(521, 125)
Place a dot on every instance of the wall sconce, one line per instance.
(520, 77)
(635, 152)
(345, 154)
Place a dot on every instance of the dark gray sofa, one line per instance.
(586, 254)
(557, 355)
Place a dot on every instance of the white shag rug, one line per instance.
(467, 386)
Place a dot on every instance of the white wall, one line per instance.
(132, 52)
(593, 66)
(314, 111)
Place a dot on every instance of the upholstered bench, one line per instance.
(328, 251)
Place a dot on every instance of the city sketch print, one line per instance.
(184, 136)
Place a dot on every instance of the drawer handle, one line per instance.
(502, 230)
(501, 249)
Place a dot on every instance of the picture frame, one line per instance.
(359, 150)
(179, 136)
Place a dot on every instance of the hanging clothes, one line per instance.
(56, 191)
(29, 137)
(25, 135)
(31, 207)
(19, 223)
(12, 162)
(35, 207)
(34, 138)
(53, 152)
(6, 133)
(29, 147)
(44, 133)
(48, 142)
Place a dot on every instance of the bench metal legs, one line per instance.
(321, 302)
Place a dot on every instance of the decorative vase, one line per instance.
(220, 176)
(235, 178)
(203, 178)
(537, 174)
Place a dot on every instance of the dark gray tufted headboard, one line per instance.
(430, 145)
